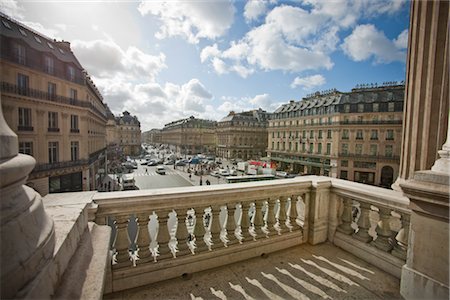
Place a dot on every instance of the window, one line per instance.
(328, 148)
(344, 174)
(37, 39)
(74, 146)
(19, 53)
(345, 134)
(304, 134)
(375, 107)
(311, 134)
(320, 134)
(273, 145)
(73, 95)
(344, 163)
(22, 32)
(347, 108)
(50, 45)
(391, 106)
(311, 147)
(71, 73)
(6, 24)
(358, 149)
(388, 150)
(51, 90)
(360, 107)
(344, 148)
(74, 123)
(22, 84)
(319, 148)
(25, 119)
(303, 147)
(26, 148)
(329, 120)
(52, 152)
(296, 147)
(373, 149)
(390, 135)
(52, 121)
(359, 134)
(273, 134)
(48, 65)
(278, 134)
(329, 134)
(374, 134)
(278, 145)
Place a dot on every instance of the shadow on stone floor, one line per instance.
(304, 272)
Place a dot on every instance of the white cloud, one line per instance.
(192, 20)
(11, 8)
(308, 82)
(209, 51)
(254, 9)
(366, 41)
(401, 42)
(111, 60)
(219, 66)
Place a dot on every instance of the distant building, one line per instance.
(242, 135)
(129, 134)
(152, 136)
(354, 135)
(190, 136)
(54, 107)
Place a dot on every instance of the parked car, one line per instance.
(169, 162)
(161, 170)
(215, 174)
(180, 163)
(128, 182)
(224, 172)
(233, 172)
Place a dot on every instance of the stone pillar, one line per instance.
(318, 213)
(426, 106)
(27, 237)
(426, 272)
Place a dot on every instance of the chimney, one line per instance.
(64, 45)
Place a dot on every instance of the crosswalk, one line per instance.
(152, 173)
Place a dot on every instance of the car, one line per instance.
(215, 174)
(224, 172)
(144, 163)
(169, 162)
(233, 172)
(180, 163)
(161, 170)
(281, 174)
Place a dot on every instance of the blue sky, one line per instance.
(165, 60)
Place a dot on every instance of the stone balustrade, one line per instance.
(162, 234)
(374, 224)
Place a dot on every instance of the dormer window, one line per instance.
(71, 73)
(37, 39)
(48, 65)
(19, 53)
(50, 45)
(6, 24)
(22, 32)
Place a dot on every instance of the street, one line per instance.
(152, 180)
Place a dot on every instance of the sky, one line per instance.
(167, 60)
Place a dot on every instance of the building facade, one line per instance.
(242, 135)
(54, 108)
(354, 135)
(190, 136)
(152, 136)
(129, 134)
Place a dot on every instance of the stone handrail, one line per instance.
(170, 232)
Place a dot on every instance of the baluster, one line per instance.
(282, 214)
(231, 224)
(245, 221)
(258, 221)
(271, 213)
(143, 239)
(363, 224)
(182, 233)
(293, 213)
(163, 234)
(401, 239)
(122, 241)
(199, 230)
(347, 218)
(216, 227)
(383, 230)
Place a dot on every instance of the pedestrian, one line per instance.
(146, 171)
(190, 176)
(208, 182)
(201, 182)
(109, 186)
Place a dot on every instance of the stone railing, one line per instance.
(373, 225)
(167, 233)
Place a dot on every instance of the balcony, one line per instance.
(74, 130)
(173, 233)
(53, 129)
(25, 128)
(59, 165)
(369, 156)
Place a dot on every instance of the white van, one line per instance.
(161, 170)
(128, 182)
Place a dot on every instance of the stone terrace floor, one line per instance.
(304, 272)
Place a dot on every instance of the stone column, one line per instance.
(27, 237)
(426, 106)
(426, 272)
